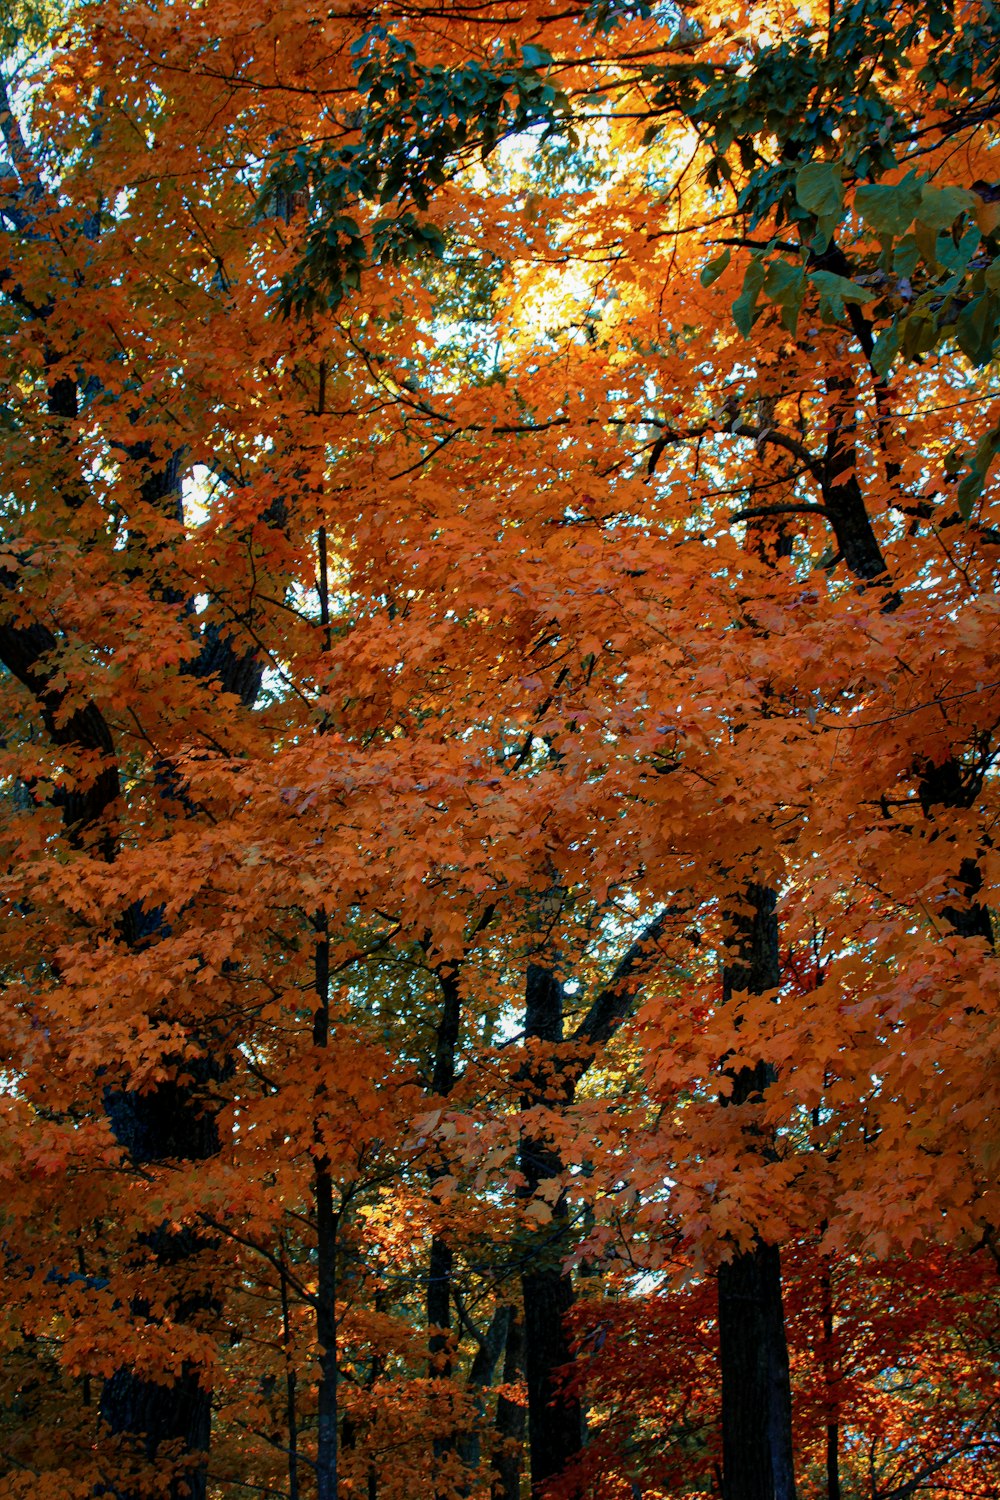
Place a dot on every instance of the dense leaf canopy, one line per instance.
(500, 686)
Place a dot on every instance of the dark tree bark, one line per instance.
(555, 1417)
(949, 784)
(327, 1226)
(842, 496)
(490, 1346)
(744, 1286)
(829, 1381)
(327, 1236)
(181, 1424)
(438, 1307)
(757, 1453)
(438, 1297)
(169, 1423)
(170, 1121)
(291, 1385)
(508, 1450)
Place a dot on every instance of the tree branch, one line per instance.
(615, 1001)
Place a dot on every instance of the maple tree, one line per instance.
(500, 635)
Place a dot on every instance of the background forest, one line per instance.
(501, 684)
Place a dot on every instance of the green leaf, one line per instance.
(890, 208)
(885, 350)
(834, 291)
(819, 189)
(972, 485)
(976, 329)
(714, 268)
(926, 240)
(940, 207)
(987, 449)
(955, 258)
(906, 256)
(968, 493)
(785, 285)
(744, 307)
(920, 334)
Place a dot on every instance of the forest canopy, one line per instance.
(500, 675)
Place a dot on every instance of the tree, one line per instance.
(498, 612)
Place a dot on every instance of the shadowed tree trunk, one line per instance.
(757, 1455)
(490, 1346)
(829, 1381)
(439, 1271)
(508, 1451)
(172, 1121)
(555, 1418)
(327, 1235)
(438, 1298)
(169, 1421)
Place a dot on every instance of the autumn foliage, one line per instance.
(501, 683)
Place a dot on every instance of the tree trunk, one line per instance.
(327, 1232)
(757, 1453)
(508, 1452)
(949, 785)
(171, 1121)
(326, 1333)
(439, 1271)
(170, 1423)
(438, 1296)
(291, 1385)
(174, 1419)
(829, 1381)
(491, 1346)
(747, 1467)
(555, 1417)
(438, 1304)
